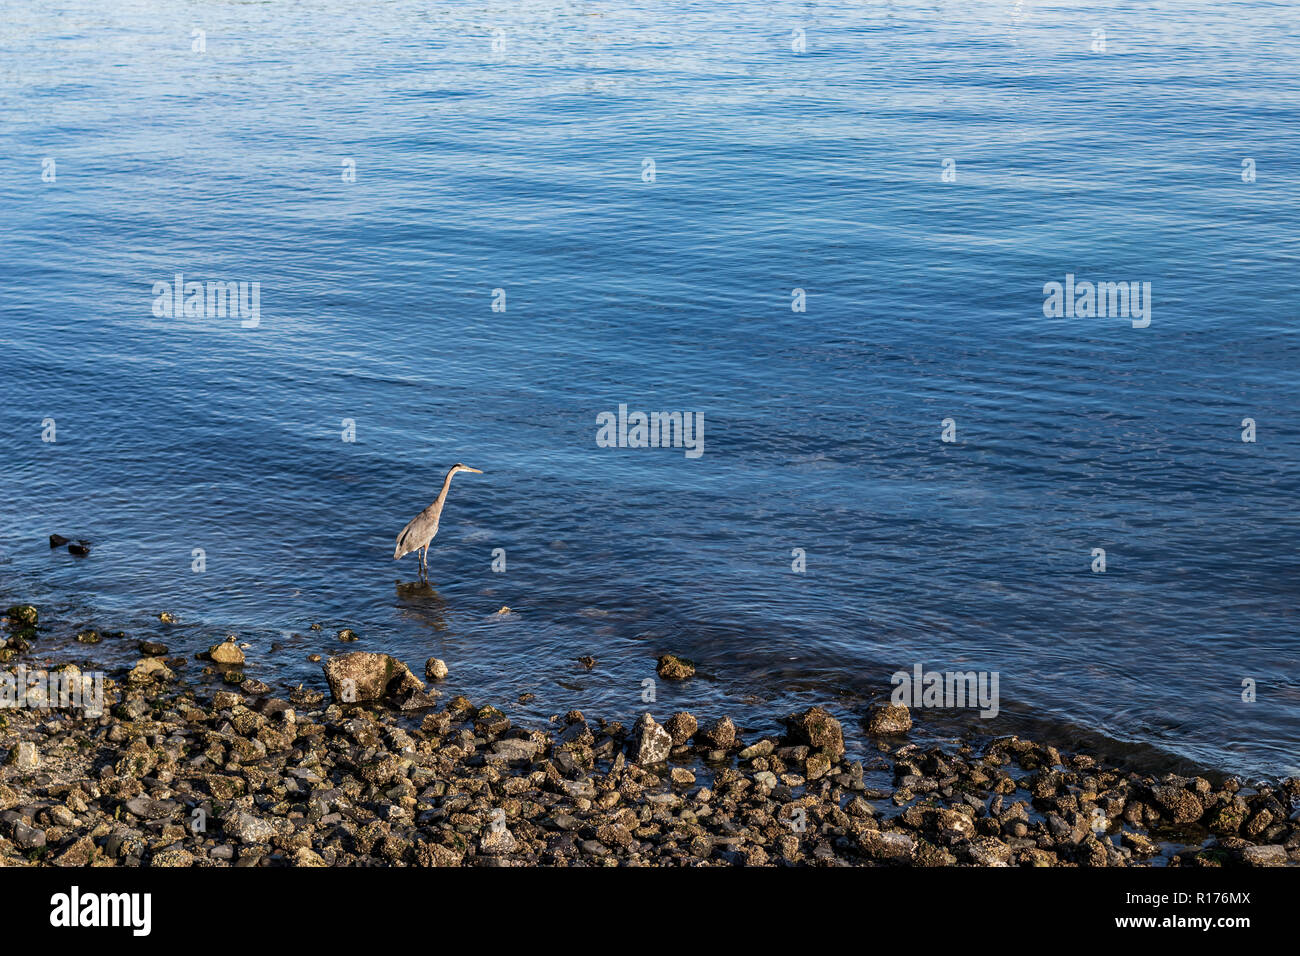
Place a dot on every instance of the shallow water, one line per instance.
(521, 168)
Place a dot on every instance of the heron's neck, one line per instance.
(446, 484)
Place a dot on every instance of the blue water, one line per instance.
(521, 168)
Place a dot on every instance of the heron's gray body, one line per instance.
(420, 530)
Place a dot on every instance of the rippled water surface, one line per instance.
(505, 146)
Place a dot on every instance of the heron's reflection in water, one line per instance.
(418, 601)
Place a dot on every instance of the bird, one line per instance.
(420, 530)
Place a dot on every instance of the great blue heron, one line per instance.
(421, 529)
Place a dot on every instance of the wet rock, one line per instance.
(681, 726)
(361, 675)
(435, 669)
(675, 668)
(150, 669)
(347, 635)
(888, 719)
(22, 615)
(79, 548)
(650, 742)
(58, 540)
(763, 748)
(816, 728)
(587, 661)
(227, 652)
(149, 648)
(718, 735)
(1139, 843)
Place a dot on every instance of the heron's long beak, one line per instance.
(475, 470)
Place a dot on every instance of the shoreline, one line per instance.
(175, 774)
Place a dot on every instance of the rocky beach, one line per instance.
(160, 765)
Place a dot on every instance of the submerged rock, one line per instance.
(24, 615)
(675, 668)
(435, 669)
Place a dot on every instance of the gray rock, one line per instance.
(651, 744)
(24, 756)
(1264, 855)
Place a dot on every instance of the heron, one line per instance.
(419, 532)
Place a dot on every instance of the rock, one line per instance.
(24, 615)
(28, 838)
(58, 541)
(763, 748)
(817, 766)
(347, 635)
(9, 798)
(1139, 843)
(148, 669)
(435, 669)
(1181, 806)
(818, 729)
(167, 617)
(515, 750)
(887, 719)
(149, 648)
(23, 757)
(587, 661)
(496, 840)
(1264, 855)
(172, 856)
(247, 828)
(78, 853)
(650, 742)
(79, 548)
(227, 652)
(421, 700)
(719, 735)
(362, 675)
(886, 844)
(675, 668)
(681, 727)
(306, 856)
